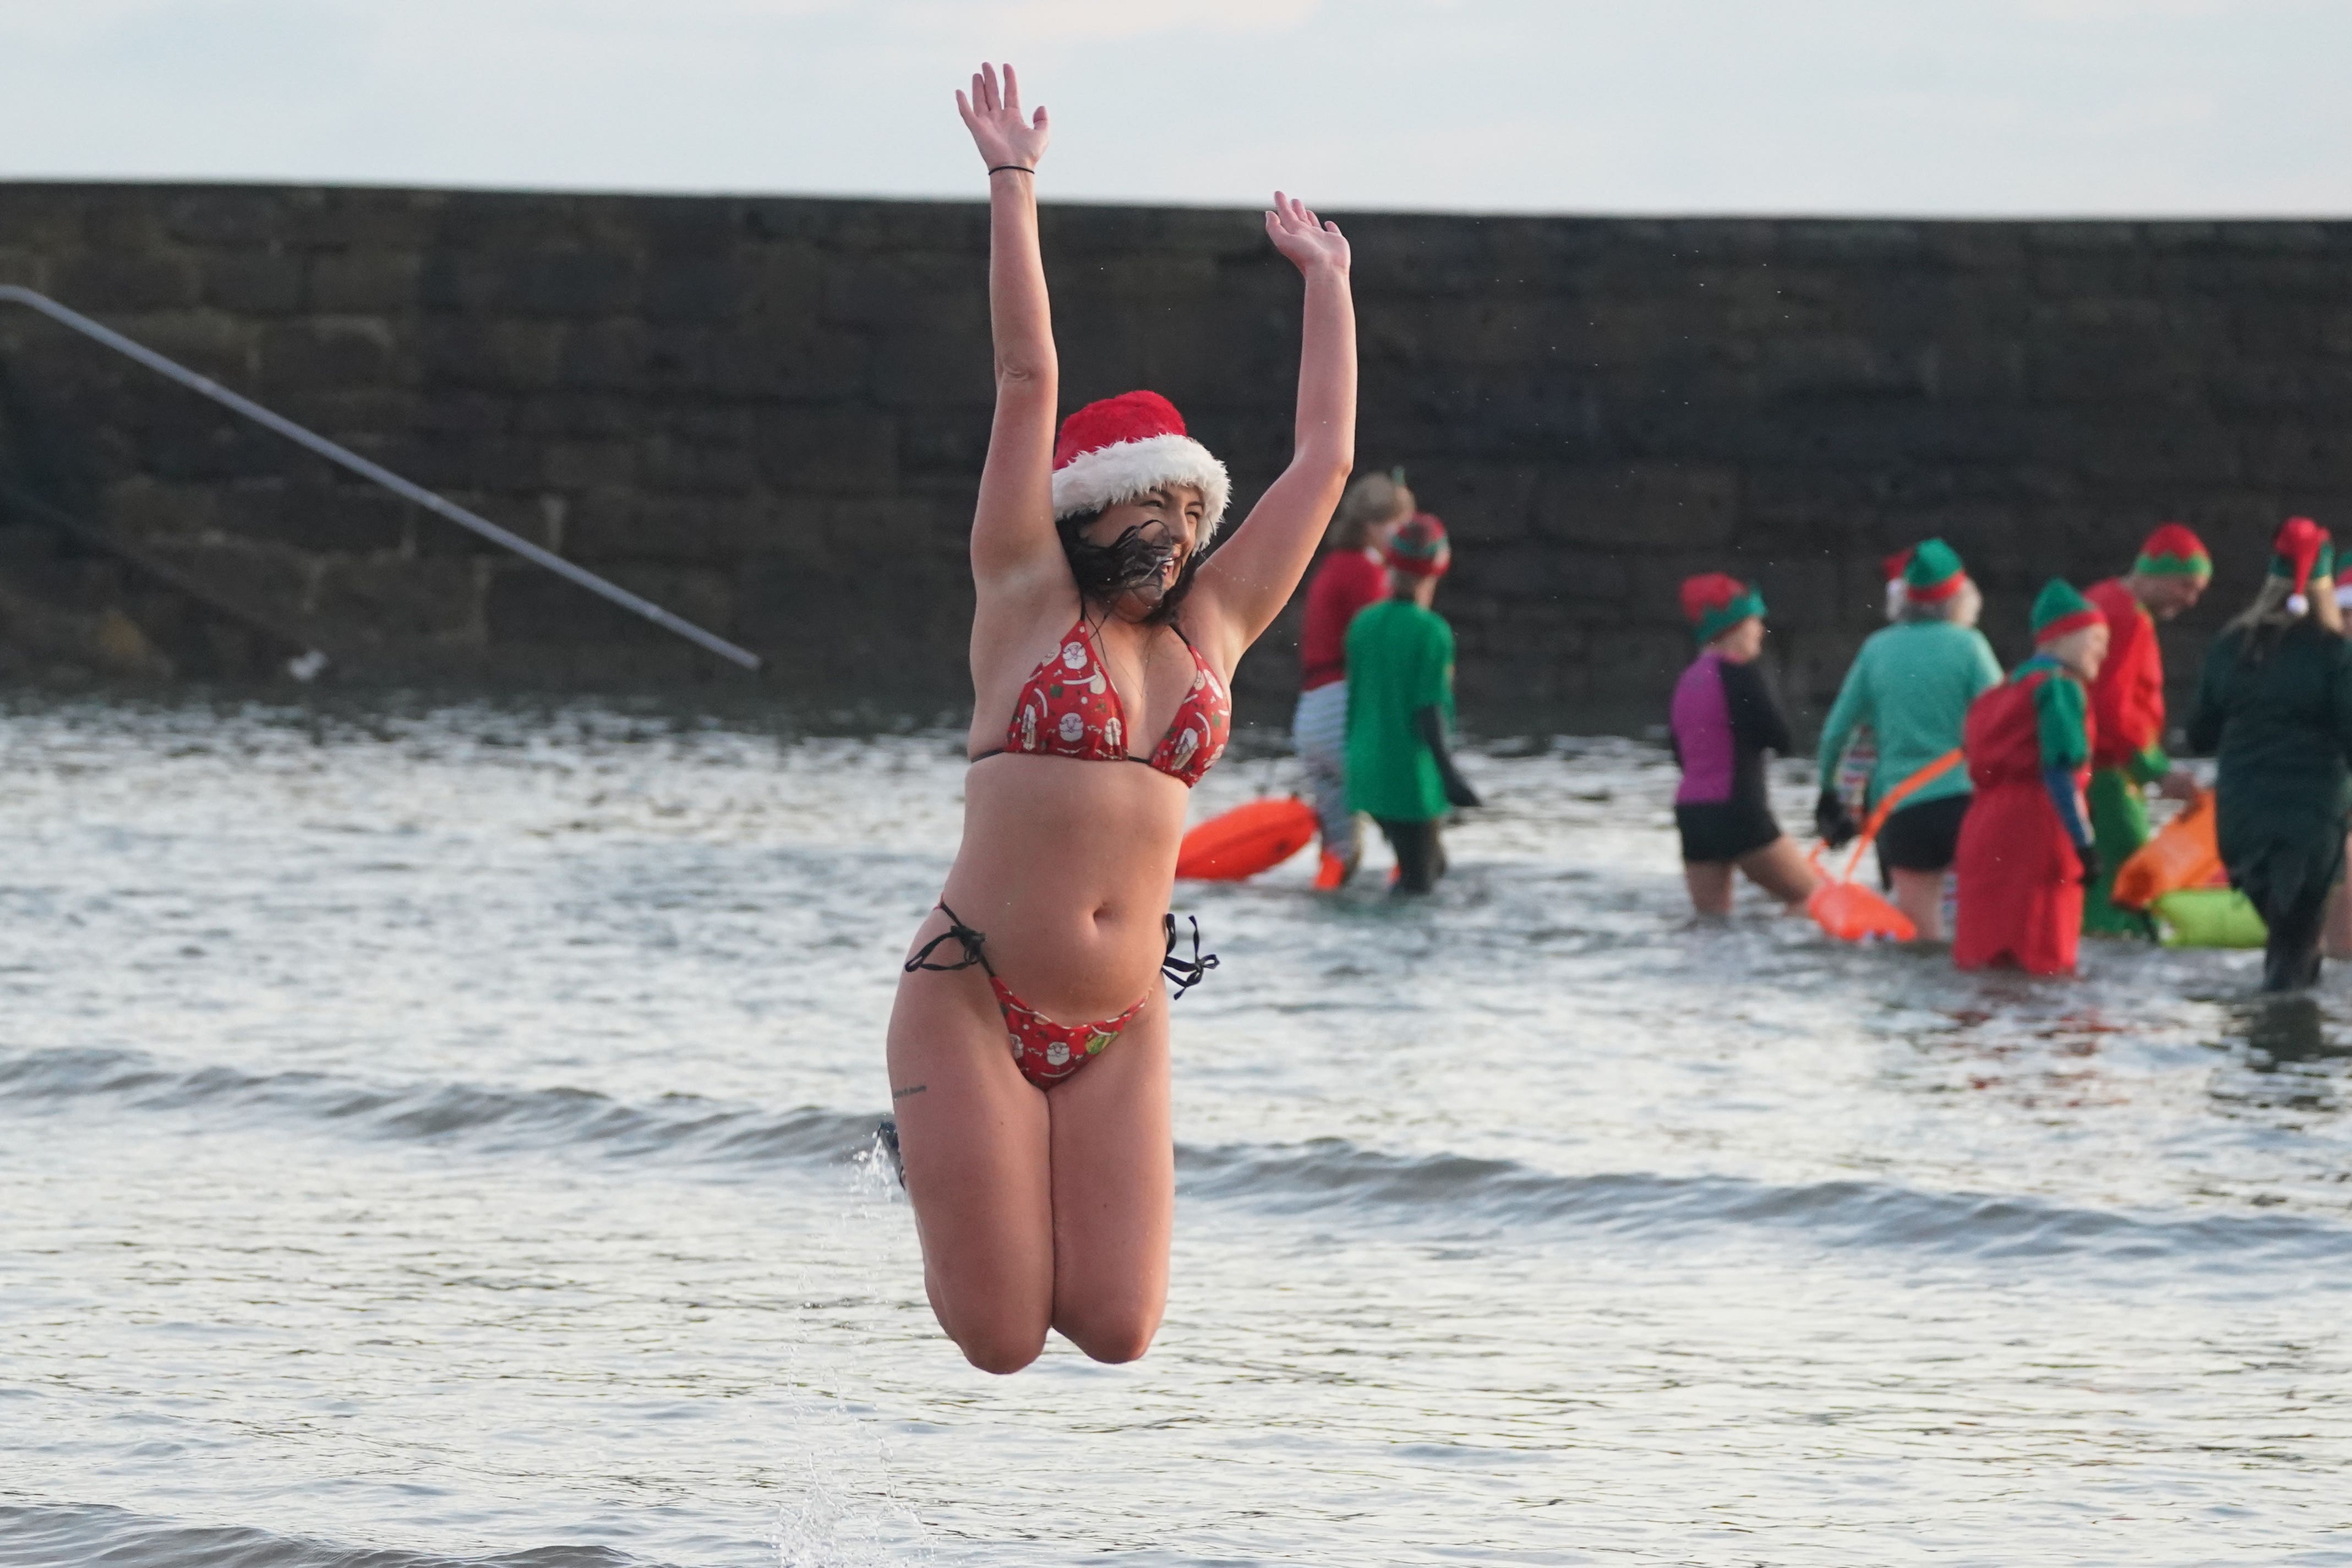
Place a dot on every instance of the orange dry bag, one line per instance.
(2185, 852)
(1850, 912)
(1246, 839)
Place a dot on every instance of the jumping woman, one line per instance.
(1028, 1047)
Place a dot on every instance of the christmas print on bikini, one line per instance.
(1069, 708)
(1047, 1052)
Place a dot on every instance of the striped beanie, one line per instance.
(2058, 611)
(1934, 573)
(2173, 551)
(1419, 547)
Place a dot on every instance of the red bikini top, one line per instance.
(1069, 708)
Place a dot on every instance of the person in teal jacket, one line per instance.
(1911, 686)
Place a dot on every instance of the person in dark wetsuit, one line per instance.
(2275, 706)
(1723, 719)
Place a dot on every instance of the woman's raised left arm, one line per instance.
(1244, 586)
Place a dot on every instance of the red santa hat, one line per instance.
(2300, 551)
(1129, 446)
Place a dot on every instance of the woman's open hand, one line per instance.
(1306, 239)
(993, 115)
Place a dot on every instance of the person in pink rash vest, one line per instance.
(1723, 719)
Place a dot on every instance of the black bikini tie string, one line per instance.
(958, 932)
(1185, 973)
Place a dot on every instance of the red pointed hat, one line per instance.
(2302, 550)
(1892, 567)
(1125, 446)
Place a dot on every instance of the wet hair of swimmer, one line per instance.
(1132, 563)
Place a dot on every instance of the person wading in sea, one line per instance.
(1400, 770)
(1723, 719)
(2025, 852)
(2274, 704)
(1354, 574)
(1911, 686)
(1028, 1047)
(2127, 701)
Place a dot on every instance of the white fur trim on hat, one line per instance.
(1125, 470)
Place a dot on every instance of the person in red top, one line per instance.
(1352, 575)
(2127, 701)
(2025, 845)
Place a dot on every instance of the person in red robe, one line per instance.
(2026, 850)
(2127, 709)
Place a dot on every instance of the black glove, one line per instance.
(2089, 855)
(1458, 793)
(1830, 821)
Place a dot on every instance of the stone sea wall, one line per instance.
(769, 413)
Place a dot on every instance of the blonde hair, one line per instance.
(1374, 500)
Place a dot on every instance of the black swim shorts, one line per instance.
(1725, 830)
(1923, 837)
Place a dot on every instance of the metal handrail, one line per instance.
(345, 457)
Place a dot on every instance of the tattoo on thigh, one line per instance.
(899, 1094)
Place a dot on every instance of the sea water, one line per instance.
(436, 1134)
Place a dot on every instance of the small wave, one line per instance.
(1459, 1189)
(680, 1125)
(46, 1535)
(1448, 1191)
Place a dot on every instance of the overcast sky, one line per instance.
(1988, 107)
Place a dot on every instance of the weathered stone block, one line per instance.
(526, 603)
(333, 352)
(315, 515)
(363, 282)
(112, 282)
(253, 283)
(505, 356)
(385, 601)
(223, 217)
(617, 524)
(822, 449)
(705, 290)
(1638, 505)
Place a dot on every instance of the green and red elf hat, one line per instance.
(2300, 551)
(1714, 602)
(1934, 573)
(2173, 551)
(2058, 611)
(1419, 547)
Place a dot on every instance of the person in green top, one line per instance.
(2274, 704)
(1911, 686)
(1401, 772)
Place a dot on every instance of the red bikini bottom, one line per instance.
(1045, 1052)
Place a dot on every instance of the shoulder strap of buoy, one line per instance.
(1895, 797)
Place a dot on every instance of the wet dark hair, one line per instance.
(1129, 564)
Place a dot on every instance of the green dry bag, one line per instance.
(2207, 917)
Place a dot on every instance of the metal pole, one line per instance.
(345, 457)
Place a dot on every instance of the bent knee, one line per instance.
(1114, 1338)
(1000, 1352)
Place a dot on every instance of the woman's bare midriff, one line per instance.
(1066, 865)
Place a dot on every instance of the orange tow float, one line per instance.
(1850, 912)
(1247, 839)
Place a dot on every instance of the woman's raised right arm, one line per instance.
(1013, 534)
